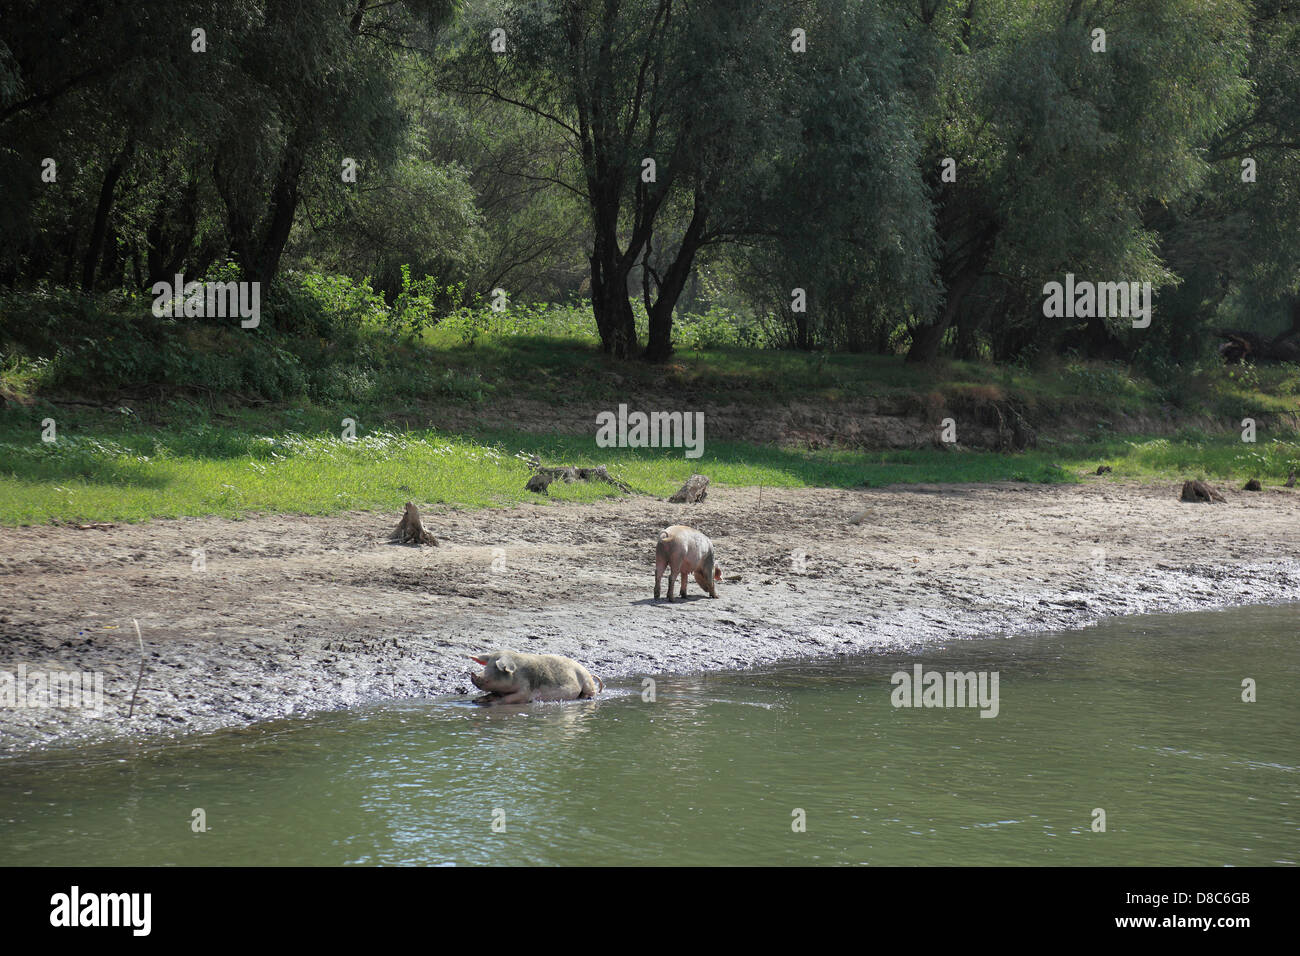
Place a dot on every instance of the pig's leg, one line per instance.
(660, 564)
(672, 578)
(685, 575)
(569, 690)
(517, 697)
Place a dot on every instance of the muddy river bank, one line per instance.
(277, 616)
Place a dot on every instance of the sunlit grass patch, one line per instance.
(183, 461)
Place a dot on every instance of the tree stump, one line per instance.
(411, 528)
(1200, 492)
(695, 490)
(1253, 485)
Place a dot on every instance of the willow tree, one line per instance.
(1065, 122)
(683, 121)
(1235, 241)
(171, 117)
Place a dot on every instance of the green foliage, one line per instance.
(1109, 379)
(716, 328)
(421, 304)
(465, 386)
(819, 170)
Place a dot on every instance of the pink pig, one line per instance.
(684, 551)
(512, 677)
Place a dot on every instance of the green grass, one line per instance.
(109, 466)
(573, 369)
(226, 422)
(330, 342)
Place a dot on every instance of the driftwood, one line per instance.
(1241, 345)
(1199, 491)
(695, 490)
(140, 676)
(1014, 432)
(411, 528)
(543, 477)
(1253, 485)
(1102, 469)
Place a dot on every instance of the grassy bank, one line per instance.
(111, 466)
(327, 341)
(158, 417)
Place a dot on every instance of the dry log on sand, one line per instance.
(543, 477)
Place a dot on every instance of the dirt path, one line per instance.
(295, 613)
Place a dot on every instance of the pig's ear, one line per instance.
(505, 665)
(478, 660)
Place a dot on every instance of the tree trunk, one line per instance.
(100, 228)
(927, 339)
(112, 269)
(241, 216)
(257, 238)
(284, 205)
(165, 250)
(610, 271)
(613, 310)
(660, 344)
(802, 338)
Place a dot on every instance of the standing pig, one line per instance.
(684, 551)
(510, 677)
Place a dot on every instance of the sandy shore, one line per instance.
(293, 614)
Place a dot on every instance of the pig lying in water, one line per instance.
(510, 677)
(684, 551)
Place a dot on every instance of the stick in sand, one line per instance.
(140, 676)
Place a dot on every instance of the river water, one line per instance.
(803, 763)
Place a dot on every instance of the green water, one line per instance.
(1141, 717)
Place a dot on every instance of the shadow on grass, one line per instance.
(84, 469)
(103, 450)
(729, 462)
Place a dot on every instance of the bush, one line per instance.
(716, 328)
(108, 342)
(421, 304)
(330, 307)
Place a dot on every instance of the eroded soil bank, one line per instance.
(291, 614)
